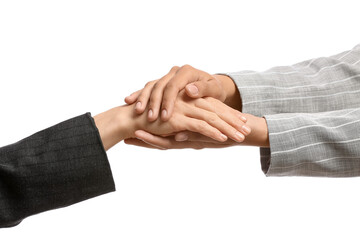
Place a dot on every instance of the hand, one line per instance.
(193, 140)
(207, 116)
(161, 94)
(257, 137)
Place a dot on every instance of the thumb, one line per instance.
(206, 88)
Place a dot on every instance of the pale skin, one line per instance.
(160, 96)
(163, 92)
(258, 137)
(207, 116)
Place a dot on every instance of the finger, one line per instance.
(196, 137)
(215, 121)
(186, 74)
(143, 97)
(139, 143)
(231, 116)
(157, 94)
(206, 88)
(132, 97)
(156, 141)
(170, 143)
(201, 126)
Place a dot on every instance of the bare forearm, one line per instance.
(114, 125)
(233, 98)
(259, 135)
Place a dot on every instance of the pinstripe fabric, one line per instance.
(53, 168)
(313, 114)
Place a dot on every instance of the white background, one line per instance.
(60, 59)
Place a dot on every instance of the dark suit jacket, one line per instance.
(53, 168)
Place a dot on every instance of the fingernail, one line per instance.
(246, 129)
(193, 89)
(242, 117)
(163, 113)
(181, 137)
(223, 137)
(150, 113)
(240, 136)
(138, 105)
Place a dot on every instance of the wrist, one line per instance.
(115, 125)
(233, 98)
(259, 135)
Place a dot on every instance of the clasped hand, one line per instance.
(197, 110)
(186, 98)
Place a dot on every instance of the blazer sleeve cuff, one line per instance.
(321, 144)
(56, 167)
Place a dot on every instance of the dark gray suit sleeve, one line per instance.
(54, 168)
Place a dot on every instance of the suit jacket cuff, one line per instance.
(53, 168)
(321, 144)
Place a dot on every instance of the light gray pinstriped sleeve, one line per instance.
(317, 85)
(312, 110)
(313, 144)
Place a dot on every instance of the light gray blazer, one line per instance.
(312, 110)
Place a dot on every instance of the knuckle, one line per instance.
(186, 67)
(142, 97)
(202, 126)
(175, 125)
(212, 118)
(160, 85)
(157, 86)
(174, 68)
(198, 102)
(163, 80)
(170, 86)
(149, 84)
